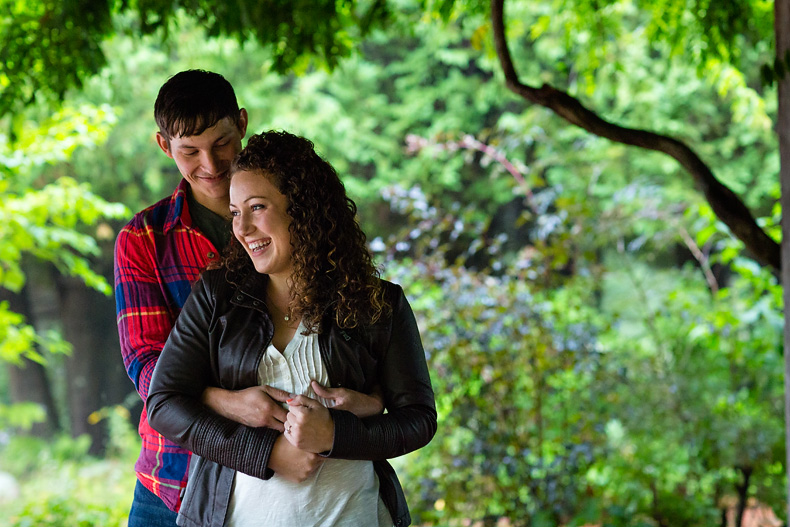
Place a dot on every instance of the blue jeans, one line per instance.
(149, 511)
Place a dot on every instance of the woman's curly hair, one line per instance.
(332, 267)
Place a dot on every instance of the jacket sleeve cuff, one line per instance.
(270, 436)
(345, 423)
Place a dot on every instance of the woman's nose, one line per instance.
(242, 225)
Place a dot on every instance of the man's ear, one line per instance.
(243, 122)
(164, 144)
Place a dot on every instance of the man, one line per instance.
(160, 253)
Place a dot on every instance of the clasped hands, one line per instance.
(307, 424)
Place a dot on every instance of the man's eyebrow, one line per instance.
(223, 137)
(186, 146)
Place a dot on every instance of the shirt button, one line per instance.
(239, 297)
(210, 254)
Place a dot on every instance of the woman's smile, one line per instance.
(258, 246)
(261, 222)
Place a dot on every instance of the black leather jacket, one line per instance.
(219, 339)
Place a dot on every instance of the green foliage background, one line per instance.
(601, 349)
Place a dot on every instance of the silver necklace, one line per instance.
(286, 314)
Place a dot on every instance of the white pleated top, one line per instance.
(341, 493)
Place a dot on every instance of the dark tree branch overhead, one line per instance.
(725, 203)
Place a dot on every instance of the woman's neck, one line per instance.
(278, 299)
(278, 291)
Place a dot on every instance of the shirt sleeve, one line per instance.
(143, 316)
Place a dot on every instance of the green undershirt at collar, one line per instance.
(216, 228)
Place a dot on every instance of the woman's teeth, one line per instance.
(254, 246)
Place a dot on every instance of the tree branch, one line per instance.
(727, 206)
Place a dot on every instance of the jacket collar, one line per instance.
(250, 287)
(250, 291)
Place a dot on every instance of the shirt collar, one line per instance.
(179, 210)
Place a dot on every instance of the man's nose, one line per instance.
(212, 164)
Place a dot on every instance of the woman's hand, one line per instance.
(255, 407)
(292, 463)
(357, 403)
(308, 425)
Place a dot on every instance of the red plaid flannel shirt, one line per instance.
(158, 256)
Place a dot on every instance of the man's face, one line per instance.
(204, 160)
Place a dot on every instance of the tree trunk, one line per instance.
(28, 382)
(782, 30)
(94, 370)
(743, 494)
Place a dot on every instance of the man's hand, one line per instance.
(292, 463)
(256, 406)
(357, 403)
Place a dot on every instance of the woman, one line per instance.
(297, 305)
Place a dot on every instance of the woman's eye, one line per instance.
(234, 213)
(257, 207)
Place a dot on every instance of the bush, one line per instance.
(61, 485)
(514, 377)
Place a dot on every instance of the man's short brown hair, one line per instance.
(192, 101)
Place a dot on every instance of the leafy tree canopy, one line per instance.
(50, 46)
(703, 29)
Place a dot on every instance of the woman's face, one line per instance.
(260, 222)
